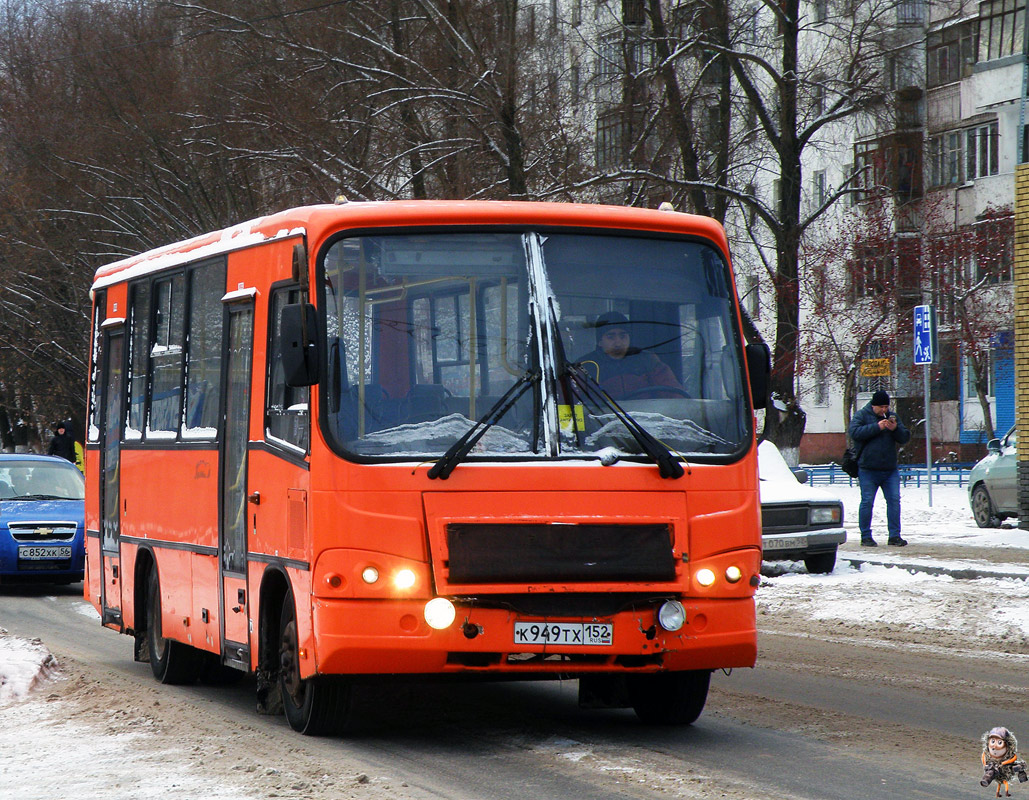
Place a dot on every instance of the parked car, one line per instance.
(42, 519)
(798, 522)
(993, 483)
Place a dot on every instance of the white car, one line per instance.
(798, 522)
(993, 482)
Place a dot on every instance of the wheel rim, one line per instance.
(289, 664)
(982, 507)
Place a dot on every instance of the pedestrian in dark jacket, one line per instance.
(63, 444)
(877, 431)
(623, 370)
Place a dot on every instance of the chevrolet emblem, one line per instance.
(44, 532)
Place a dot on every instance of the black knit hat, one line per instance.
(610, 319)
(880, 398)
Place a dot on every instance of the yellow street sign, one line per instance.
(875, 367)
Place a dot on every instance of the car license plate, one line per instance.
(588, 634)
(785, 543)
(39, 553)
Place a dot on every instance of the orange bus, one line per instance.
(489, 439)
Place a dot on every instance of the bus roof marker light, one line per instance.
(671, 615)
(440, 613)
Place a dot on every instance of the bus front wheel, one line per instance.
(669, 698)
(318, 706)
(171, 662)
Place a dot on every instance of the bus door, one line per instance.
(110, 467)
(233, 482)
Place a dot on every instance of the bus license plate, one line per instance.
(589, 634)
(37, 553)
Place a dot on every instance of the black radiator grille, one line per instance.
(784, 516)
(541, 553)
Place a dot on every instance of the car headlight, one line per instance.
(823, 515)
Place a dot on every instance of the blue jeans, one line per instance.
(889, 481)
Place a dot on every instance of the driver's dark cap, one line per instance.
(880, 398)
(610, 319)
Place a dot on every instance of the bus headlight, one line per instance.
(733, 574)
(440, 613)
(404, 579)
(671, 615)
(705, 577)
(369, 575)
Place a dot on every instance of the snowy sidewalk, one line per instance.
(943, 539)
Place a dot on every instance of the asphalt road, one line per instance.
(817, 719)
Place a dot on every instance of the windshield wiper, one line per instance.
(38, 497)
(667, 464)
(463, 446)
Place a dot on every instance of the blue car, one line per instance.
(42, 519)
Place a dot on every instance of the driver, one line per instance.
(622, 369)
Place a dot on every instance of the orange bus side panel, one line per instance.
(172, 497)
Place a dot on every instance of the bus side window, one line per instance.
(203, 359)
(166, 358)
(287, 415)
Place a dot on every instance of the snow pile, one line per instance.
(24, 664)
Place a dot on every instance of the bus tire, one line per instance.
(669, 698)
(171, 662)
(318, 706)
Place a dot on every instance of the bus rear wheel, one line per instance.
(669, 698)
(171, 662)
(318, 706)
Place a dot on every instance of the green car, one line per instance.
(993, 483)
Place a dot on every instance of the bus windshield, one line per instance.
(551, 336)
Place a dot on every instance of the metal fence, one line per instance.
(950, 474)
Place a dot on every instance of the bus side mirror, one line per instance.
(298, 345)
(759, 368)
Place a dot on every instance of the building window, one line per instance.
(751, 299)
(612, 140)
(821, 393)
(869, 270)
(981, 156)
(948, 274)
(818, 188)
(1001, 26)
(820, 10)
(865, 179)
(818, 96)
(945, 159)
(873, 383)
(576, 12)
(970, 390)
(951, 53)
(910, 12)
(633, 12)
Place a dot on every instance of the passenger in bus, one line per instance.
(623, 370)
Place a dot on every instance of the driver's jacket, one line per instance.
(636, 372)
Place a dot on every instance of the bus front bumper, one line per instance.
(355, 637)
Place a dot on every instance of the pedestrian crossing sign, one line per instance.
(924, 335)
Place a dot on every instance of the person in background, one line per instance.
(877, 431)
(62, 444)
(621, 369)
